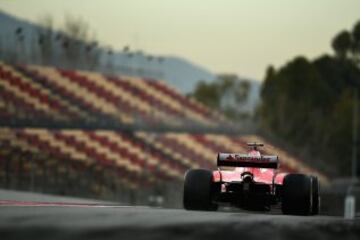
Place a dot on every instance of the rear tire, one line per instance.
(297, 195)
(315, 196)
(198, 189)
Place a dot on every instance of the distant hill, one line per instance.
(174, 70)
(178, 72)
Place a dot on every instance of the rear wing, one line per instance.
(244, 160)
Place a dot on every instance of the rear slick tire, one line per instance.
(198, 190)
(297, 195)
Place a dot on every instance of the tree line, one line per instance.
(227, 93)
(309, 103)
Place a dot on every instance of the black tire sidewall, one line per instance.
(197, 190)
(297, 194)
(315, 196)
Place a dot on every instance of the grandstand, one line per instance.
(77, 98)
(84, 133)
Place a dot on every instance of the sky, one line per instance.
(224, 36)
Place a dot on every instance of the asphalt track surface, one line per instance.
(41, 217)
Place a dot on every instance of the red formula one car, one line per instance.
(253, 183)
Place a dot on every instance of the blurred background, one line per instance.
(115, 100)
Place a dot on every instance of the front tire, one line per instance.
(297, 195)
(198, 190)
